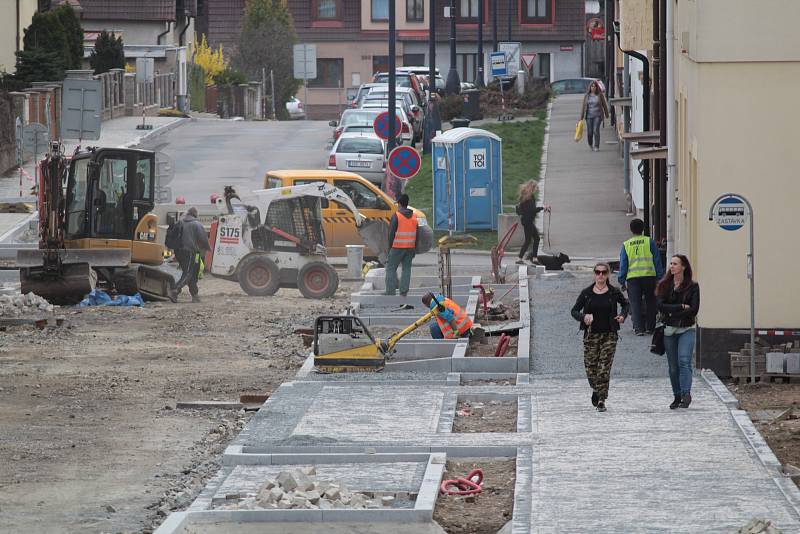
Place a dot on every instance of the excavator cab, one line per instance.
(96, 223)
(109, 193)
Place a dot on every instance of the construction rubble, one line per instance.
(299, 489)
(19, 305)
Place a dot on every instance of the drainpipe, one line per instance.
(656, 124)
(670, 120)
(183, 31)
(17, 25)
(645, 126)
(165, 32)
(626, 123)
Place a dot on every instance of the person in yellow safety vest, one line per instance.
(640, 269)
(403, 243)
(451, 320)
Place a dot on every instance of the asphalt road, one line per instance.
(209, 154)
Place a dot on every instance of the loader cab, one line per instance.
(109, 192)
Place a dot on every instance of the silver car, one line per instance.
(361, 153)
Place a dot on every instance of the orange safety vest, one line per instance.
(463, 322)
(406, 234)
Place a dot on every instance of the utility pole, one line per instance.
(392, 75)
(432, 46)
(656, 123)
(481, 17)
(510, 8)
(453, 86)
(494, 25)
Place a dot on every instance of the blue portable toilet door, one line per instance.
(442, 201)
(479, 190)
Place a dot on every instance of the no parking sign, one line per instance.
(404, 162)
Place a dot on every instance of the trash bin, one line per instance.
(472, 104)
(459, 122)
(355, 259)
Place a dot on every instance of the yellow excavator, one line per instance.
(96, 225)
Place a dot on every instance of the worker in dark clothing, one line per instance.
(640, 269)
(194, 245)
(403, 242)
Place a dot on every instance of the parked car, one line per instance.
(412, 112)
(295, 108)
(358, 128)
(362, 92)
(573, 86)
(351, 117)
(402, 79)
(362, 153)
(337, 225)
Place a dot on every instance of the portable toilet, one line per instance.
(467, 180)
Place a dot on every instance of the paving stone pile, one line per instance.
(17, 305)
(299, 489)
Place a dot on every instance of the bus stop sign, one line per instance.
(730, 212)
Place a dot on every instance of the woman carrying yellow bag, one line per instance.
(579, 130)
(593, 111)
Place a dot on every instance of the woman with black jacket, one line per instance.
(596, 310)
(678, 300)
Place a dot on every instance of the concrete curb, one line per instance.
(157, 131)
(756, 441)
(543, 162)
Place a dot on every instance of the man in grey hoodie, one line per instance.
(194, 245)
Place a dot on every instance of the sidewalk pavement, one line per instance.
(640, 467)
(584, 188)
(120, 132)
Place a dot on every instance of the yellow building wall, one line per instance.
(736, 131)
(8, 29)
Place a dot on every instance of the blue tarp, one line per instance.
(98, 297)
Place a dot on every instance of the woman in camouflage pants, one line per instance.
(596, 309)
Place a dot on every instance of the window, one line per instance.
(415, 10)
(363, 197)
(468, 9)
(327, 9)
(380, 64)
(541, 66)
(537, 11)
(330, 73)
(380, 9)
(414, 60)
(355, 145)
(466, 65)
(76, 202)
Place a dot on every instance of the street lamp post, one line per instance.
(392, 75)
(453, 86)
(481, 16)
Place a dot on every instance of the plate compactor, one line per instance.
(343, 343)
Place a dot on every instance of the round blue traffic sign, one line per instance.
(381, 125)
(404, 162)
(730, 212)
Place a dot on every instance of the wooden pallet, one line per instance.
(785, 378)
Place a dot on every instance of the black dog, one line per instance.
(553, 263)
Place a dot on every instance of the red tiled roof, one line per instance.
(144, 10)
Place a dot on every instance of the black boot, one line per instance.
(686, 400)
(595, 398)
(675, 403)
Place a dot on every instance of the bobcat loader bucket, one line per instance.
(64, 277)
(375, 233)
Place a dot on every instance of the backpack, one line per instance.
(174, 235)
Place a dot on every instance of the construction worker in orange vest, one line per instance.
(451, 319)
(403, 242)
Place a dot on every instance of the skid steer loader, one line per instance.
(96, 225)
(277, 240)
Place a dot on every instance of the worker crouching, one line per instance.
(451, 320)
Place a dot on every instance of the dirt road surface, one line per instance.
(91, 439)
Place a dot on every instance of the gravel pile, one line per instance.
(299, 489)
(17, 305)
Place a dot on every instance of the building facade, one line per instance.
(15, 16)
(736, 78)
(351, 38)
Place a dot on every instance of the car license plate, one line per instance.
(357, 163)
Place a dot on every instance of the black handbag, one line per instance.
(657, 343)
